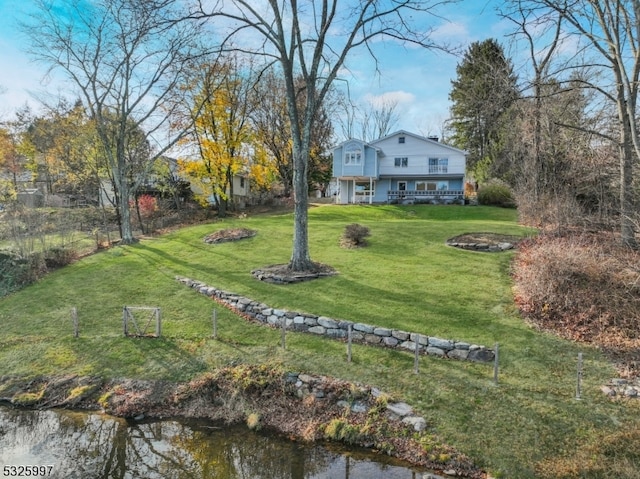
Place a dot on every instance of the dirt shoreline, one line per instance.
(258, 396)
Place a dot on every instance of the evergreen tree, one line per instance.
(485, 88)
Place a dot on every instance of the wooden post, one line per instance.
(579, 378)
(416, 359)
(349, 339)
(215, 323)
(496, 351)
(283, 332)
(158, 322)
(124, 321)
(74, 318)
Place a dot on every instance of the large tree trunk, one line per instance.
(300, 258)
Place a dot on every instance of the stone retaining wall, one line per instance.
(338, 329)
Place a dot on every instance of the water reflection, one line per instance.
(81, 445)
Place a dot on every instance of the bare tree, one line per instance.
(124, 58)
(609, 31)
(311, 40)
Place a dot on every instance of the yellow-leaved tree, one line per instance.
(221, 135)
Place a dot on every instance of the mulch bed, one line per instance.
(230, 234)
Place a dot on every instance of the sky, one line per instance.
(418, 79)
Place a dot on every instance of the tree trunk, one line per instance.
(300, 258)
(627, 159)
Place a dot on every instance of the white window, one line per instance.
(353, 157)
(438, 165)
(401, 162)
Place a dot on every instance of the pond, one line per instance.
(91, 445)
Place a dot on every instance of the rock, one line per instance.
(336, 333)
(421, 338)
(400, 408)
(608, 391)
(382, 332)
(372, 339)
(461, 345)
(418, 423)
(431, 351)
(440, 343)
(317, 330)
(327, 322)
(458, 354)
(359, 407)
(481, 355)
(305, 378)
(391, 342)
(401, 335)
(505, 246)
(410, 345)
(365, 328)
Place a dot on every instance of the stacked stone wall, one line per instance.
(339, 329)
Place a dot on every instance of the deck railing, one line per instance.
(424, 195)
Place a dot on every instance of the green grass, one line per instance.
(407, 278)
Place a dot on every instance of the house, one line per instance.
(399, 168)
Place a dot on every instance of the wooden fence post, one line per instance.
(349, 339)
(124, 321)
(416, 359)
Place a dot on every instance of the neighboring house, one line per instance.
(400, 168)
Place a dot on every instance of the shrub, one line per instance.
(496, 193)
(58, 256)
(584, 288)
(354, 235)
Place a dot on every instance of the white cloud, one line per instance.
(402, 98)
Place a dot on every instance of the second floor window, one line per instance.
(352, 157)
(438, 165)
(401, 162)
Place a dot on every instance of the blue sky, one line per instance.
(419, 79)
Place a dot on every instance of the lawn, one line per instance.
(407, 278)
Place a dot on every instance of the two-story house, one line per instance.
(399, 168)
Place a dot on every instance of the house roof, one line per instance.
(421, 138)
(354, 139)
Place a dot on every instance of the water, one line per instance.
(90, 445)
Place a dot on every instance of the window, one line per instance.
(438, 165)
(401, 162)
(401, 139)
(352, 157)
(242, 182)
(432, 185)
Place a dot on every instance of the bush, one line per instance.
(58, 257)
(354, 235)
(584, 288)
(496, 193)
